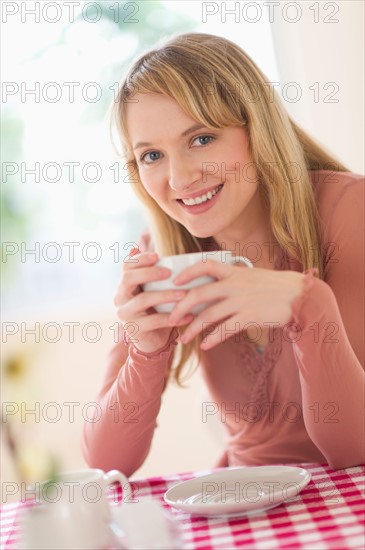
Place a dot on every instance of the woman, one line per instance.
(219, 164)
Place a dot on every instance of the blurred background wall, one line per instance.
(69, 215)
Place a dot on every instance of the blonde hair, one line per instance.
(217, 84)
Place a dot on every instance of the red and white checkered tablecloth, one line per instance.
(328, 514)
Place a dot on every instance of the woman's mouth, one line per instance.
(202, 203)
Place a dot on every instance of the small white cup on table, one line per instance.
(73, 512)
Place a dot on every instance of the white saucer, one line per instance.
(238, 490)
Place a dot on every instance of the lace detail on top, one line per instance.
(258, 362)
(258, 365)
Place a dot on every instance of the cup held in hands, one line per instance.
(181, 261)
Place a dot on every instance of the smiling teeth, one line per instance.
(202, 198)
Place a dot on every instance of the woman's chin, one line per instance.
(200, 234)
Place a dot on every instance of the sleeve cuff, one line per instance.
(299, 302)
(154, 355)
(314, 308)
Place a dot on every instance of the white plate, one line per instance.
(239, 490)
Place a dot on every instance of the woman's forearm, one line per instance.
(121, 435)
(332, 378)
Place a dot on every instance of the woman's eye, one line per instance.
(150, 157)
(204, 140)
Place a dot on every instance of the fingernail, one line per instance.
(188, 317)
(164, 271)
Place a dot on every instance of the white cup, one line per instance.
(74, 512)
(180, 262)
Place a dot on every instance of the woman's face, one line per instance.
(177, 159)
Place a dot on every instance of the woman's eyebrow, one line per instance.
(185, 133)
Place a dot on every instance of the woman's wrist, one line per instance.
(153, 353)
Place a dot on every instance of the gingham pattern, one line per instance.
(327, 514)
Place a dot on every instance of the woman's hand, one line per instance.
(240, 295)
(148, 330)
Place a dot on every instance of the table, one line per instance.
(328, 514)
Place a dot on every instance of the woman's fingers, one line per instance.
(153, 322)
(211, 268)
(137, 259)
(135, 308)
(144, 275)
(218, 319)
(219, 334)
(136, 274)
(131, 281)
(210, 292)
(143, 301)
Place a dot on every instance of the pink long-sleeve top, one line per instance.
(301, 399)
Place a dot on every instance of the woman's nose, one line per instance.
(183, 174)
